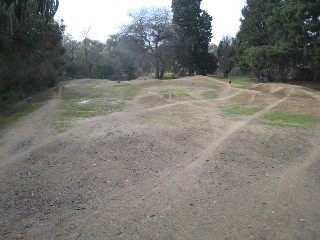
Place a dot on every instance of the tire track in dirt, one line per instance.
(172, 182)
(169, 183)
(224, 95)
(211, 148)
(194, 102)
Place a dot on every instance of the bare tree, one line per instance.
(151, 31)
(225, 53)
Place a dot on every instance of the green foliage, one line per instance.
(193, 35)
(31, 56)
(278, 36)
(102, 70)
(20, 8)
(240, 110)
(291, 120)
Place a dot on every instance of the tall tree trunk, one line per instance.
(90, 70)
(157, 73)
(161, 74)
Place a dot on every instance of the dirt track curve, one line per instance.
(166, 167)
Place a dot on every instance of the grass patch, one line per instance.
(240, 110)
(209, 95)
(129, 93)
(110, 92)
(12, 111)
(169, 75)
(16, 115)
(64, 83)
(87, 110)
(166, 75)
(182, 91)
(220, 77)
(240, 80)
(86, 101)
(213, 85)
(291, 120)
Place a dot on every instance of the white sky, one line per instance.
(104, 17)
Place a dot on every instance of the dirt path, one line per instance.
(32, 132)
(165, 169)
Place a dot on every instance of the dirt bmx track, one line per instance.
(167, 166)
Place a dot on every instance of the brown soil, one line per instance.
(167, 167)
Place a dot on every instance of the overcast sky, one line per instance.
(105, 17)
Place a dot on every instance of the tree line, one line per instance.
(156, 40)
(276, 38)
(279, 39)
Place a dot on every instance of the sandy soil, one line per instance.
(166, 167)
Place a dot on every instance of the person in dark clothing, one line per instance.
(261, 78)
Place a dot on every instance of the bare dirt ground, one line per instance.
(166, 167)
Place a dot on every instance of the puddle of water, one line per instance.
(84, 101)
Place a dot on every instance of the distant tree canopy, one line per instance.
(150, 43)
(278, 36)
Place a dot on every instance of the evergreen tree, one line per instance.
(193, 34)
(255, 35)
(279, 36)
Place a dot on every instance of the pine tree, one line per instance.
(193, 34)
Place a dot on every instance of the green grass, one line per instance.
(291, 120)
(10, 112)
(86, 101)
(209, 95)
(18, 114)
(177, 91)
(63, 83)
(220, 77)
(240, 110)
(240, 80)
(167, 75)
(213, 85)
(111, 92)
(69, 113)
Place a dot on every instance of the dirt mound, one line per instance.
(266, 87)
(164, 167)
(280, 90)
